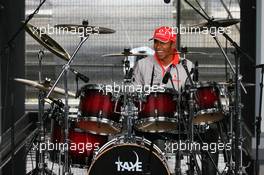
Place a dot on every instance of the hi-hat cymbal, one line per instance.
(124, 54)
(202, 53)
(81, 28)
(43, 86)
(47, 41)
(214, 23)
(232, 84)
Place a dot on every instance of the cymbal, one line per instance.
(202, 53)
(87, 28)
(232, 84)
(215, 23)
(47, 42)
(259, 66)
(43, 86)
(124, 54)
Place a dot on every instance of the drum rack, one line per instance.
(130, 111)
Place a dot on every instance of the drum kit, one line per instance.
(82, 139)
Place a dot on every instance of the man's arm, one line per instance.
(137, 78)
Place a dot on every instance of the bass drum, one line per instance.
(82, 145)
(129, 158)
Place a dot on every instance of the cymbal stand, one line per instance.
(191, 90)
(238, 85)
(41, 167)
(129, 108)
(258, 123)
(237, 106)
(230, 136)
(129, 111)
(64, 72)
(40, 157)
(128, 72)
(178, 153)
(179, 116)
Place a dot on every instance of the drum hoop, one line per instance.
(96, 87)
(207, 111)
(114, 124)
(103, 120)
(92, 86)
(167, 91)
(205, 84)
(107, 147)
(122, 139)
(156, 119)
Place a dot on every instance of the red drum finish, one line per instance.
(97, 111)
(208, 108)
(158, 113)
(81, 145)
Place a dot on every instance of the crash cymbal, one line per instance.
(47, 41)
(232, 84)
(43, 86)
(215, 23)
(82, 28)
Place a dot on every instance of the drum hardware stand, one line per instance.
(209, 154)
(129, 109)
(193, 162)
(258, 121)
(230, 135)
(178, 153)
(192, 158)
(238, 105)
(126, 62)
(77, 85)
(65, 71)
(238, 83)
(192, 89)
(41, 166)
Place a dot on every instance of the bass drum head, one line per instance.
(128, 159)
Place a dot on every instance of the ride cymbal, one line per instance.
(47, 41)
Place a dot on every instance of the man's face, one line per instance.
(163, 50)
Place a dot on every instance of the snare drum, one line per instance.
(158, 113)
(208, 107)
(137, 156)
(81, 146)
(97, 111)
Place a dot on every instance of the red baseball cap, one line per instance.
(164, 34)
